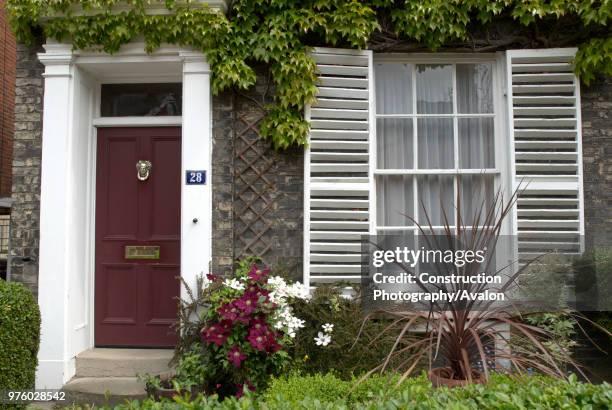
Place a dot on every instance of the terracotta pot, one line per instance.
(440, 377)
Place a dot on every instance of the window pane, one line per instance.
(436, 195)
(474, 88)
(395, 199)
(435, 141)
(476, 143)
(394, 143)
(149, 100)
(477, 194)
(434, 89)
(393, 88)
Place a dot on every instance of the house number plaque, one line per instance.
(195, 177)
(141, 252)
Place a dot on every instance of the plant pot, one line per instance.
(440, 376)
(166, 390)
(159, 393)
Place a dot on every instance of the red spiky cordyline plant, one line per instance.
(460, 333)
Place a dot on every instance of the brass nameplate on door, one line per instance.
(141, 252)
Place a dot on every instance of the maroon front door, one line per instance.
(136, 291)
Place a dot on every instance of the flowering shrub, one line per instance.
(250, 323)
(332, 323)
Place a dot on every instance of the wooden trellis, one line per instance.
(253, 189)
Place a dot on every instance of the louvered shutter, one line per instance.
(337, 167)
(544, 105)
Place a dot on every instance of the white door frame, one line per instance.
(67, 201)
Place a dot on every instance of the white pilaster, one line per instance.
(55, 367)
(196, 200)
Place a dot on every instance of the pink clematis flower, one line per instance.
(258, 324)
(229, 312)
(257, 274)
(217, 333)
(247, 303)
(258, 339)
(236, 356)
(256, 290)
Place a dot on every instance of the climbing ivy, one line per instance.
(281, 32)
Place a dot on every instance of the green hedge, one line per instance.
(381, 392)
(19, 336)
(330, 387)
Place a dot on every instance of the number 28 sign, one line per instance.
(195, 177)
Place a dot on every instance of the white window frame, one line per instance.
(502, 141)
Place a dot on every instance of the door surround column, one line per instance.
(54, 365)
(196, 200)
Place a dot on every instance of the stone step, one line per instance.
(103, 391)
(106, 362)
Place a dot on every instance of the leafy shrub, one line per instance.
(329, 388)
(561, 327)
(19, 336)
(190, 318)
(325, 387)
(329, 392)
(342, 356)
(250, 324)
(593, 273)
(191, 370)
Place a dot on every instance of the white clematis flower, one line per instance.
(234, 284)
(322, 339)
(280, 293)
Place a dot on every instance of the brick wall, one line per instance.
(26, 166)
(597, 161)
(257, 192)
(7, 98)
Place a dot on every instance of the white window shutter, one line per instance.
(337, 167)
(545, 128)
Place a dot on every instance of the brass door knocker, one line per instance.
(144, 169)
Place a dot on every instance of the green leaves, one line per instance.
(285, 126)
(595, 56)
(278, 32)
(433, 22)
(19, 336)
